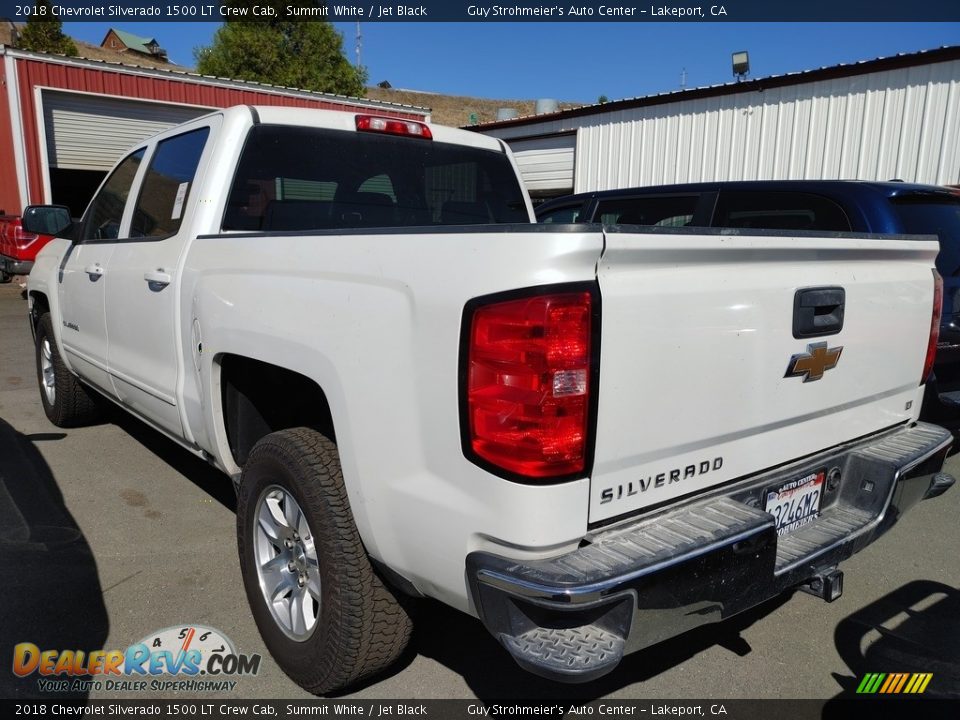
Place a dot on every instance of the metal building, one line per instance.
(64, 121)
(893, 117)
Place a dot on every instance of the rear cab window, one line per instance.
(294, 178)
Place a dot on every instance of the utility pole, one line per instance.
(683, 79)
(359, 43)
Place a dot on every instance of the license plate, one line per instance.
(796, 503)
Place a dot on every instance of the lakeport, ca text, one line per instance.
(604, 11)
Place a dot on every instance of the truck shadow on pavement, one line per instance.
(205, 476)
(50, 593)
(913, 629)
(493, 675)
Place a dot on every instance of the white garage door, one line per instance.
(546, 164)
(86, 132)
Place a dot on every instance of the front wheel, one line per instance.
(66, 402)
(325, 616)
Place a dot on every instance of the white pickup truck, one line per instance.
(592, 438)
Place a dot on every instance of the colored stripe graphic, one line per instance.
(894, 683)
(903, 680)
(862, 688)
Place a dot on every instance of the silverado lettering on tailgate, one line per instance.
(618, 492)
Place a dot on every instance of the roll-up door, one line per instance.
(546, 164)
(87, 132)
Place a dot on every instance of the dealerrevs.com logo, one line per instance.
(184, 658)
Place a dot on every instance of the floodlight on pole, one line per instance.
(741, 64)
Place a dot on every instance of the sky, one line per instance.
(579, 62)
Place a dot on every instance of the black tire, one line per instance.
(72, 404)
(5, 277)
(360, 628)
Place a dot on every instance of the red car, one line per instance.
(18, 249)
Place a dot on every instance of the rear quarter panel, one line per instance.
(375, 320)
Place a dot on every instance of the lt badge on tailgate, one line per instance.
(812, 364)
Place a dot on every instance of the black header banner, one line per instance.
(200, 708)
(853, 11)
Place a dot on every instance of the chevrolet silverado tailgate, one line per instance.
(702, 377)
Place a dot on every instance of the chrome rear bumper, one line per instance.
(573, 617)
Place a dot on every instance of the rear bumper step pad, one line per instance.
(573, 617)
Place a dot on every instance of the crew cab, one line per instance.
(826, 205)
(591, 437)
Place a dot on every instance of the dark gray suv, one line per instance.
(816, 205)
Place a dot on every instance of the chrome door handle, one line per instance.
(95, 270)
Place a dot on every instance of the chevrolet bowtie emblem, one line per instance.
(812, 364)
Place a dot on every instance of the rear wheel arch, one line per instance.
(258, 398)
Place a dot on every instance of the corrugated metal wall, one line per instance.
(901, 123)
(895, 123)
(546, 164)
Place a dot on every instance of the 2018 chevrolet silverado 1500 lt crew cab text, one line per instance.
(593, 438)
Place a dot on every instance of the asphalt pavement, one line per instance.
(111, 533)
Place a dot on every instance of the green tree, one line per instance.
(282, 51)
(44, 32)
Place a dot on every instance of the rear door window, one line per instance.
(166, 186)
(294, 178)
(776, 210)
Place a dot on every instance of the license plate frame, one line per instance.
(797, 502)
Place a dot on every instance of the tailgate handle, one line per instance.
(818, 311)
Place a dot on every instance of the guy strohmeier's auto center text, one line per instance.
(600, 11)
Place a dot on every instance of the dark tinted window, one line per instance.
(668, 211)
(935, 218)
(166, 186)
(102, 221)
(292, 178)
(568, 214)
(779, 211)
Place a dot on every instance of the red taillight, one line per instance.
(528, 380)
(934, 326)
(20, 238)
(393, 126)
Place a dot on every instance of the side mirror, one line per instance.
(46, 219)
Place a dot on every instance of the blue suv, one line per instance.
(816, 205)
